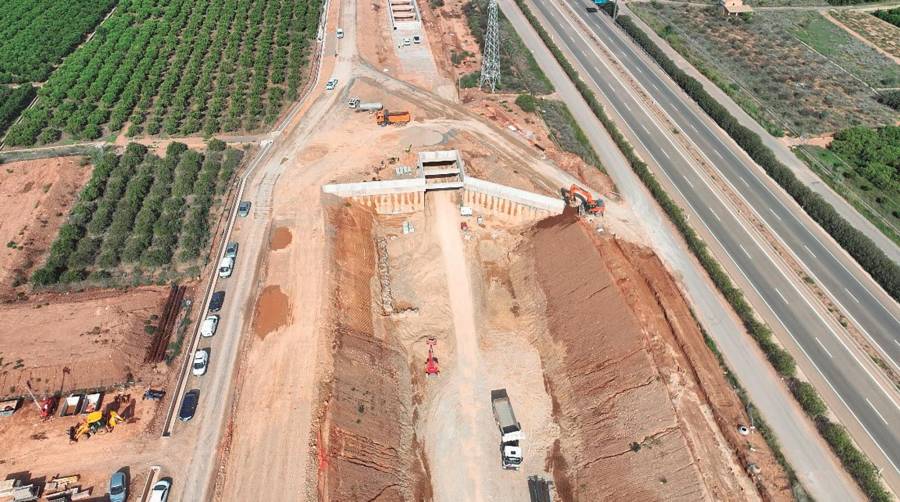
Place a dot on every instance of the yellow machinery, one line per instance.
(94, 423)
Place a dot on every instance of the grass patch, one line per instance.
(519, 72)
(566, 133)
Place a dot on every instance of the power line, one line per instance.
(490, 63)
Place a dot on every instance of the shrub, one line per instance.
(808, 398)
(526, 102)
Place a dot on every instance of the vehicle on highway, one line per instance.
(201, 362)
(417, 39)
(231, 250)
(215, 303)
(226, 266)
(244, 208)
(118, 487)
(209, 325)
(160, 491)
(331, 84)
(340, 33)
(189, 405)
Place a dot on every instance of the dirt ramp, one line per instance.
(367, 450)
(622, 396)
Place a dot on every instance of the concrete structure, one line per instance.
(445, 170)
(733, 7)
(404, 14)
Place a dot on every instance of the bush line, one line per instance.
(863, 471)
(861, 248)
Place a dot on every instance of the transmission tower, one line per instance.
(490, 64)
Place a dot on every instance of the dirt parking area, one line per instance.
(35, 197)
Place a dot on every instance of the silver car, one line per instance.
(118, 487)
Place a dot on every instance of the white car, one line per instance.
(208, 328)
(331, 84)
(340, 33)
(160, 491)
(201, 362)
(226, 266)
(406, 42)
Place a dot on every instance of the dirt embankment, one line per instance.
(644, 412)
(366, 449)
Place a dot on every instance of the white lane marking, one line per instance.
(809, 251)
(720, 219)
(666, 154)
(876, 411)
(638, 68)
(775, 214)
(626, 106)
(644, 128)
(688, 181)
(719, 155)
(823, 347)
(851, 295)
(745, 251)
(745, 182)
(691, 125)
(782, 297)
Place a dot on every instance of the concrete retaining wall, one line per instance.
(540, 202)
(364, 188)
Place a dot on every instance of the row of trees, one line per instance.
(863, 471)
(139, 209)
(892, 16)
(36, 34)
(12, 102)
(178, 68)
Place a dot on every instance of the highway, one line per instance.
(866, 399)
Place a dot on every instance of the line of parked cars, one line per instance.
(118, 488)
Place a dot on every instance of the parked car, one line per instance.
(331, 84)
(216, 302)
(231, 250)
(406, 42)
(189, 405)
(160, 491)
(201, 362)
(118, 487)
(417, 39)
(226, 266)
(209, 325)
(340, 33)
(244, 208)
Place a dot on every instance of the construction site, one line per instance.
(444, 305)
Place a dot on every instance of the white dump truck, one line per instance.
(510, 431)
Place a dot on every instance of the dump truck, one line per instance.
(510, 431)
(385, 117)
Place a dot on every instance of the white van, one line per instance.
(225, 266)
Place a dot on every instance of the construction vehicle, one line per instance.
(356, 104)
(431, 364)
(579, 197)
(95, 422)
(510, 430)
(384, 117)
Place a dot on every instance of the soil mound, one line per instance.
(636, 422)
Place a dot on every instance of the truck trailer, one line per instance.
(510, 431)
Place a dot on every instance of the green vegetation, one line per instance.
(892, 16)
(36, 34)
(519, 72)
(12, 102)
(790, 70)
(527, 103)
(866, 253)
(890, 98)
(885, 271)
(779, 358)
(177, 67)
(565, 132)
(139, 211)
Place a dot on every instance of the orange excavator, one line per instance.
(587, 205)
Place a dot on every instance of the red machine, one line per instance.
(48, 407)
(431, 364)
(577, 196)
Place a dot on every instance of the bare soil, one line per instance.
(35, 197)
(281, 238)
(273, 310)
(95, 339)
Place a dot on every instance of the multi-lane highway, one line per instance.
(865, 398)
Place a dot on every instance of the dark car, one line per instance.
(231, 249)
(244, 208)
(216, 302)
(189, 405)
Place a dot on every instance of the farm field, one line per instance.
(12, 102)
(36, 34)
(139, 213)
(176, 68)
(878, 31)
(793, 69)
(863, 165)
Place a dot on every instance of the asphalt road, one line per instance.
(870, 403)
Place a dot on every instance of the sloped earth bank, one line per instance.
(644, 412)
(366, 441)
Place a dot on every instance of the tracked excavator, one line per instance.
(581, 198)
(94, 423)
